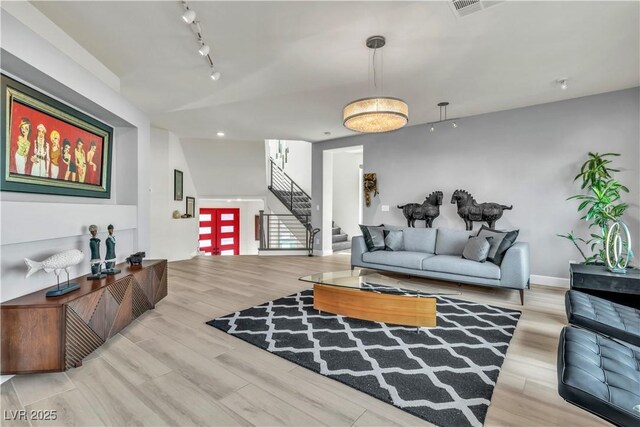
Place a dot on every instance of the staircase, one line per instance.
(294, 231)
(339, 240)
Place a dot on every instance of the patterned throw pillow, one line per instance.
(393, 240)
(477, 248)
(502, 241)
(373, 237)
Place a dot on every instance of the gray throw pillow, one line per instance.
(373, 237)
(477, 248)
(393, 240)
(502, 241)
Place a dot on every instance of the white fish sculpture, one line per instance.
(58, 262)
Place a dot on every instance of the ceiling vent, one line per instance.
(462, 8)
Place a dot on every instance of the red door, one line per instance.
(220, 231)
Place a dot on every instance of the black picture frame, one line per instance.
(191, 207)
(177, 185)
(76, 172)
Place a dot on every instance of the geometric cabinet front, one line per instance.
(94, 318)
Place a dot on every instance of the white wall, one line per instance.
(298, 165)
(173, 239)
(526, 157)
(248, 210)
(346, 185)
(226, 169)
(31, 57)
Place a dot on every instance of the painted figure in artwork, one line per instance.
(81, 160)
(23, 145)
(54, 169)
(70, 171)
(94, 246)
(91, 173)
(370, 184)
(40, 158)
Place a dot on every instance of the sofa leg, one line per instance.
(352, 267)
(521, 296)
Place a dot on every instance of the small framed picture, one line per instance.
(191, 206)
(177, 184)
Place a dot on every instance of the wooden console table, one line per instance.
(42, 334)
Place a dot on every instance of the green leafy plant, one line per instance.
(601, 205)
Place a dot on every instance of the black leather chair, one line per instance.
(599, 375)
(603, 316)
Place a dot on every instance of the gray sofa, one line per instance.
(437, 254)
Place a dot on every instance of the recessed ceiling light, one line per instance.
(563, 83)
(220, 133)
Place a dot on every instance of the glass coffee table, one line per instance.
(369, 295)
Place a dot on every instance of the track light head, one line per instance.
(189, 16)
(454, 124)
(204, 49)
(432, 128)
(215, 75)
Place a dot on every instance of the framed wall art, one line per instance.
(51, 148)
(191, 206)
(177, 184)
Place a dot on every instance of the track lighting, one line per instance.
(443, 107)
(220, 134)
(189, 16)
(204, 50)
(562, 83)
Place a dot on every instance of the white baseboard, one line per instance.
(558, 282)
(320, 252)
(281, 253)
(4, 378)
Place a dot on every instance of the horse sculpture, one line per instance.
(469, 210)
(427, 211)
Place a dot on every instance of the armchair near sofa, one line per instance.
(437, 254)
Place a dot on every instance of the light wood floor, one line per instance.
(169, 368)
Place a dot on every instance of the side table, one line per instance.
(597, 280)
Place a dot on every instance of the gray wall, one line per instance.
(526, 157)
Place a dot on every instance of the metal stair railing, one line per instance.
(298, 202)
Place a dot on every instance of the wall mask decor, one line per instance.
(370, 185)
(470, 210)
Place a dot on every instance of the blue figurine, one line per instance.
(110, 258)
(96, 261)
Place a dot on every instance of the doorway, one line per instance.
(219, 231)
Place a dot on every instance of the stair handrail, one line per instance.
(288, 177)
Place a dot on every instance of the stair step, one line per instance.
(336, 230)
(341, 246)
(339, 238)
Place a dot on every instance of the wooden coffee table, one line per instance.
(367, 295)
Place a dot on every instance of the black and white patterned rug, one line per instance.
(444, 375)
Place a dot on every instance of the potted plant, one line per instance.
(603, 208)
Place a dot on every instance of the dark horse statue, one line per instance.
(427, 211)
(470, 210)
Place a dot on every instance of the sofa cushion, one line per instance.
(373, 237)
(451, 242)
(393, 240)
(502, 241)
(458, 265)
(405, 259)
(420, 240)
(477, 248)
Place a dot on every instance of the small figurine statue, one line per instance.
(110, 257)
(96, 261)
(136, 259)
